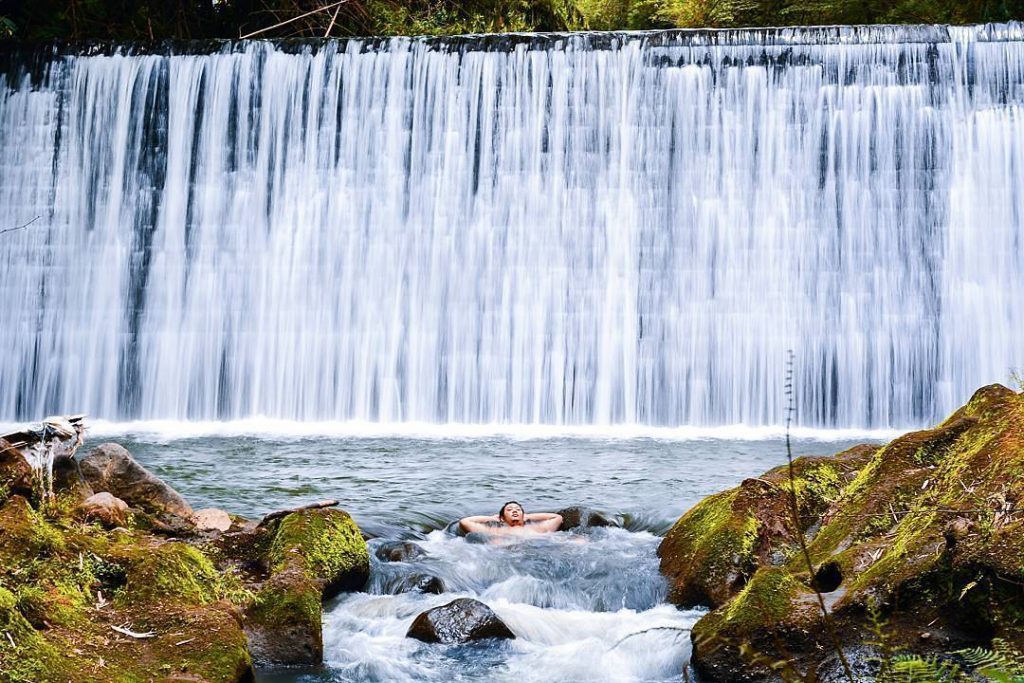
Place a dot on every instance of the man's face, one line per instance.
(513, 515)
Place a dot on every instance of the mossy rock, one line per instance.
(772, 605)
(326, 544)
(314, 555)
(170, 571)
(927, 533)
(711, 552)
(53, 573)
(285, 622)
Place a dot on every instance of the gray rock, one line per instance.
(109, 467)
(460, 621)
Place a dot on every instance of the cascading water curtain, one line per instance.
(586, 229)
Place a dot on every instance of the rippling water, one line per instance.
(584, 606)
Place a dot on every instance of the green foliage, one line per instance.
(7, 28)
(1002, 664)
(146, 20)
(905, 668)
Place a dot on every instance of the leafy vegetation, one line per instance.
(148, 20)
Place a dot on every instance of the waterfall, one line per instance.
(624, 228)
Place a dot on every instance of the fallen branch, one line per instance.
(301, 16)
(20, 227)
(182, 642)
(284, 513)
(648, 630)
(133, 634)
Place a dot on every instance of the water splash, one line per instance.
(583, 607)
(599, 229)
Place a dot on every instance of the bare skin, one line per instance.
(514, 522)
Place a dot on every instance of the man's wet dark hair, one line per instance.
(501, 512)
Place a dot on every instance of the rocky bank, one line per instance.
(115, 578)
(919, 543)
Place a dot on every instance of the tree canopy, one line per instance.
(143, 20)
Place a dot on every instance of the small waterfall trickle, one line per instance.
(558, 229)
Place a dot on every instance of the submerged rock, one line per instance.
(398, 551)
(109, 467)
(926, 531)
(582, 517)
(421, 583)
(460, 621)
(105, 508)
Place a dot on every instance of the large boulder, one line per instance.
(314, 555)
(460, 621)
(109, 467)
(927, 537)
(712, 551)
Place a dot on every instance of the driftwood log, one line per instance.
(62, 428)
(283, 513)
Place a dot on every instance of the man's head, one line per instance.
(512, 513)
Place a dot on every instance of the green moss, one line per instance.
(25, 656)
(709, 547)
(171, 571)
(28, 535)
(327, 543)
(287, 600)
(766, 599)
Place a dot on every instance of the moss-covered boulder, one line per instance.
(314, 554)
(712, 551)
(70, 590)
(927, 537)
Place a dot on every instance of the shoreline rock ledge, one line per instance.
(922, 538)
(129, 584)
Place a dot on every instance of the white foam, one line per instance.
(169, 430)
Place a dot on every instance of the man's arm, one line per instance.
(477, 523)
(544, 521)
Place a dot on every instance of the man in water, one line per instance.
(512, 520)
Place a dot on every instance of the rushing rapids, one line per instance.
(586, 229)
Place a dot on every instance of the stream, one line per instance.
(587, 605)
